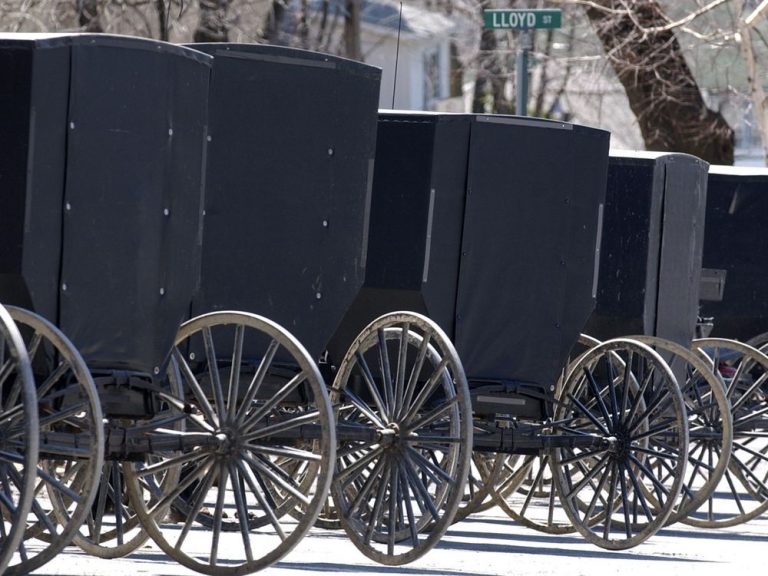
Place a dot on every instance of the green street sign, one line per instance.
(522, 19)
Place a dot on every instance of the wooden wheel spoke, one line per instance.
(588, 414)
(405, 492)
(65, 416)
(734, 491)
(378, 507)
(662, 402)
(394, 509)
(363, 409)
(234, 373)
(366, 487)
(750, 475)
(184, 483)
(661, 490)
(52, 379)
(417, 486)
(426, 392)
(242, 512)
(640, 396)
(750, 417)
(435, 472)
(365, 371)
(191, 380)
(413, 378)
(56, 484)
(587, 477)
(611, 500)
(360, 464)
(218, 513)
(625, 507)
(274, 400)
(284, 426)
(401, 367)
(284, 451)
(657, 431)
(598, 492)
(386, 373)
(169, 463)
(252, 482)
(278, 477)
(258, 379)
(213, 372)
(434, 414)
(748, 393)
(197, 500)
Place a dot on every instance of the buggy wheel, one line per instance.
(742, 494)
(477, 496)
(759, 341)
(710, 429)
(622, 410)
(523, 486)
(112, 529)
(405, 428)
(251, 398)
(71, 441)
(19, 437)
(525, 491)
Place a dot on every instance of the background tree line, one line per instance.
(678, 62)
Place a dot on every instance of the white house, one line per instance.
(420, 59)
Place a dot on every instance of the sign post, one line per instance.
(524, 21)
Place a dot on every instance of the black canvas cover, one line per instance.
(487, 224)
(289, 172)
(734, 244)
(103, 143)
(651, 247)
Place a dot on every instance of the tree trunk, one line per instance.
(352, 48)
(491, 77)
(755, 82)
(162, 19)
(88, 16)
(212, 26)
(659, 84)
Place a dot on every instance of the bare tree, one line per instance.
(88, 16)
(212, 26)
(643, 50)
(747, 30)
(352, 30)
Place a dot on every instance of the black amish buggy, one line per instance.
(488, 225)
(733, 308)
(103, 159)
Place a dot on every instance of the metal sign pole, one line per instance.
(521, 72)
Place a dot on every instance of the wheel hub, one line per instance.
(391, 436)
(620, 443)
(228, 444)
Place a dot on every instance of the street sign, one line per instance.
(522, 19)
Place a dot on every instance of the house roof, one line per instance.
(384, 17)
(416, 21)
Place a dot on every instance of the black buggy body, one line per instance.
(651, 247)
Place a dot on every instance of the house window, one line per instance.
(431, 79)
